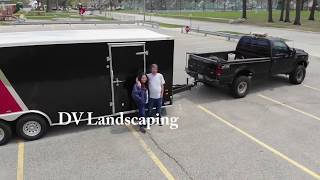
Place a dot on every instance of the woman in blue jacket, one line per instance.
(140, 96)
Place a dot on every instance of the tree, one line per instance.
(297, 20)
(180, 6)
(313, 9)
(270, 11)
(48, 5)
(195, 4)
(287, 18)
(111, 5)
(213, 2)
(282, 10)
(302, 4)
(244, 9)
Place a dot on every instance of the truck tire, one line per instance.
(298, 75)
(31, 127)
(5, 133)
(241, 86)
(207, 84)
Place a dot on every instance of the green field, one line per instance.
(165, 25)
(253, 17)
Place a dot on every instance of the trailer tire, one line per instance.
(5, 133)
(241, 86)
(298, 75)
(31, 127)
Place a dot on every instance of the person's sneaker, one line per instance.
(142, 130)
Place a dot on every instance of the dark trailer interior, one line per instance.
(83, 70)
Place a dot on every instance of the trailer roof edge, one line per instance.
(32, 38)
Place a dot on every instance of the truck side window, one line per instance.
(279, 47)
(261, 46)
(245, 42)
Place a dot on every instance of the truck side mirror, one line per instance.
(292, 52)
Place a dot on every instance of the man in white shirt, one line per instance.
(156, 88)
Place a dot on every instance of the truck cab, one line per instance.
(284, 58)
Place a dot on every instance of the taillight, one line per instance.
(218, 70)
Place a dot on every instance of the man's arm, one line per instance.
(162, 90)
(162, 85)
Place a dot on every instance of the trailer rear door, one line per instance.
(126, 61)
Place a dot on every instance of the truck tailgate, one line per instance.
(202, 65)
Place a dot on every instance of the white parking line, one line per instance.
(290, 107)
(310, 87)
(268, 147)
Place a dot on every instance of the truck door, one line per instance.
(126, 61)
(282, 59)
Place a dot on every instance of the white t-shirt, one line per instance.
(155, 83)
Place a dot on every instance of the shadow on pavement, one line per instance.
(205, 94)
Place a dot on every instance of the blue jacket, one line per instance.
(139, 94)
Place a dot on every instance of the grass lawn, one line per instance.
(253, 17)
(232, 32)
(3, 23)
(165, 25)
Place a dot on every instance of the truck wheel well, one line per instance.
(244, 73)
(302, 63)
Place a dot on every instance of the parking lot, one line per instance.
(273, 133)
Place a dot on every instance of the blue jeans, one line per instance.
(142, 110)
(154, 103)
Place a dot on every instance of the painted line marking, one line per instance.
(289, 107)
(274, 151)
(20, 162)
(310, 87)
(151, 154)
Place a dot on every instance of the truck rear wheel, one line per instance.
(5, 133)
(241, 86)
(298, 75)
(31, 127)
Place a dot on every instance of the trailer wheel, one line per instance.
(31, 127)
(241, 86)
(5, 133)
(298, 75)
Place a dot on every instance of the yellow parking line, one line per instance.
(310, 87)
(274, 151)
(290, 107)
(151, 154)
(20, 162)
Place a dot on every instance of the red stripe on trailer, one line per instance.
(7, 103)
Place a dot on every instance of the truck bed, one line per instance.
(204, 66)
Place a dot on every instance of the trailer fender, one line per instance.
(10, 117)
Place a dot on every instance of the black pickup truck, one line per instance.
(256, 56)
